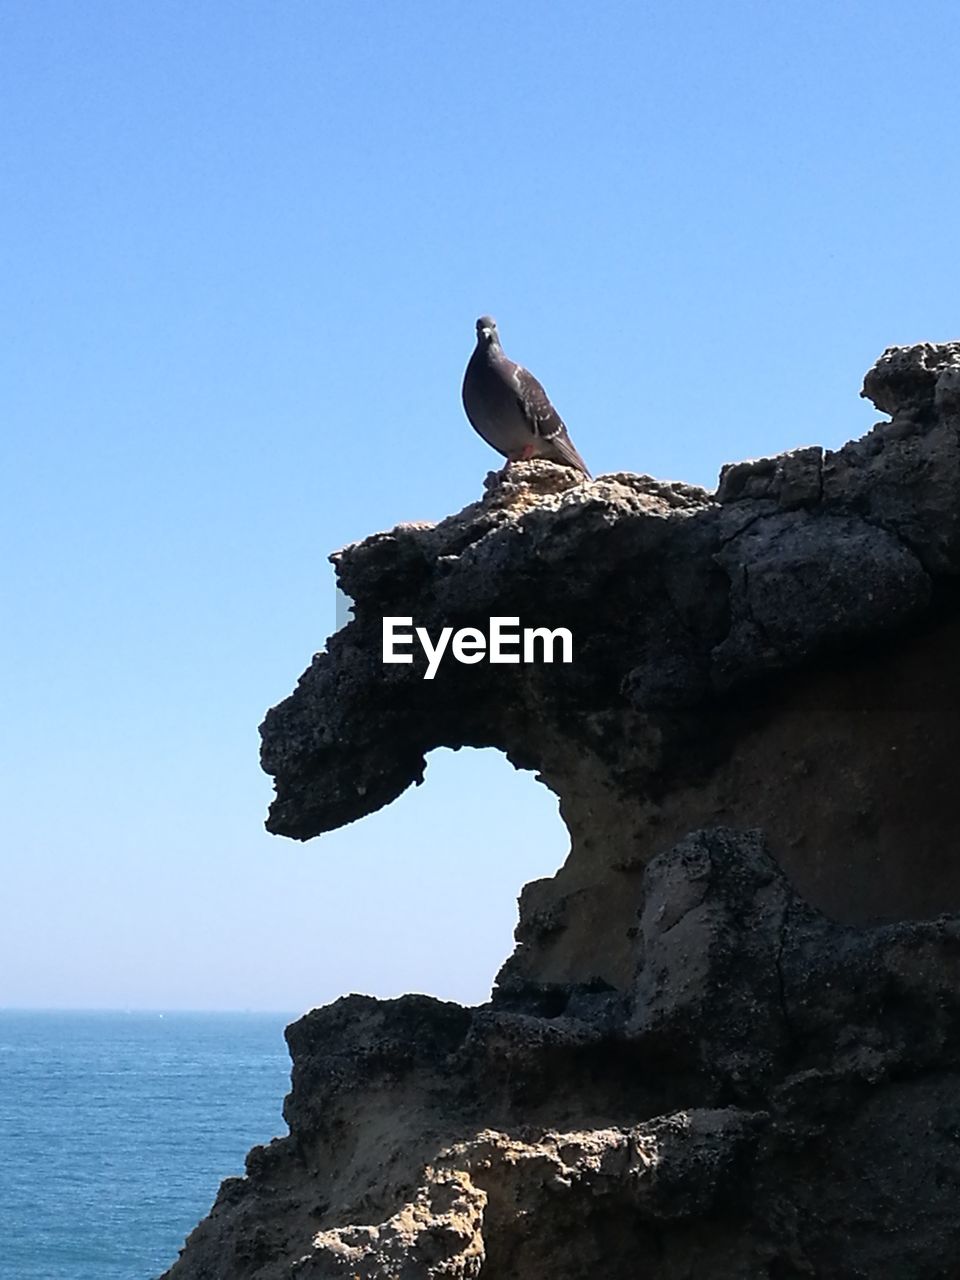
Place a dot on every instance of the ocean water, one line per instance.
(117, 1128)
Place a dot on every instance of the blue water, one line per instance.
(117, 1128)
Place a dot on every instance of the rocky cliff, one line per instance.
(727, 1042)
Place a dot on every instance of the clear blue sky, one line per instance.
(242, 248)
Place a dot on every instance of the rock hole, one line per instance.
(422, 895)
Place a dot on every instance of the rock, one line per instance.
(438, 1235)
(790, 590)
(914, 382)
(730, 652)
(548, 1139)
(790, 480)
(728, 1042)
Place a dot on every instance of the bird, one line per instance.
(509, 408)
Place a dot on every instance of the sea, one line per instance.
(116, 1130)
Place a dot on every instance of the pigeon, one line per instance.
(508, 407)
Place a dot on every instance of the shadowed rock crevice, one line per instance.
(741, 991)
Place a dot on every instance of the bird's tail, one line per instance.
(563, 447)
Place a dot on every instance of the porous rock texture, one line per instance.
(727, 1042)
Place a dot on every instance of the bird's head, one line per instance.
(487, 334)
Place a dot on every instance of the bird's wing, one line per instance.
(543, 418)
(535, 405)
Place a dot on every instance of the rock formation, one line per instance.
(726, 1044)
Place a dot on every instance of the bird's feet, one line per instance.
(526, 453)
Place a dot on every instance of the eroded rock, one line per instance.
(677, 1124)
(727, 1043)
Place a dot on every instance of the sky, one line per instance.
(242, 249)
